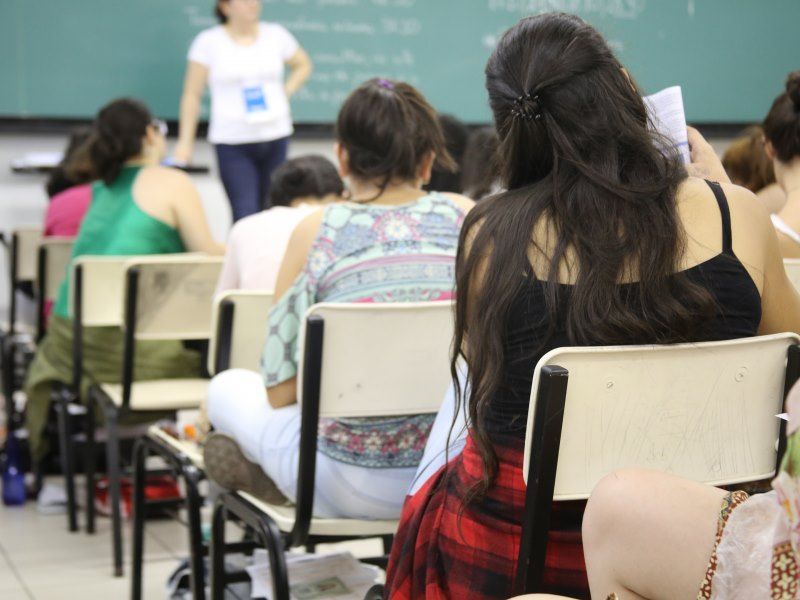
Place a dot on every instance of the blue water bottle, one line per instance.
(14, 493)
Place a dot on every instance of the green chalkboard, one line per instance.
(65, 58)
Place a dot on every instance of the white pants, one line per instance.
(437, 451)
(238, 407)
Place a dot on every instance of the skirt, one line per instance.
(102, 363)
(444, 549)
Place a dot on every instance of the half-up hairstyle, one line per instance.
(388, 128)
(117, 138)
(782, 125)
(580, 161)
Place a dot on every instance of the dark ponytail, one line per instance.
(588, 190)
(117, 138)
(387, 128)
(218, 12)
(782, 125)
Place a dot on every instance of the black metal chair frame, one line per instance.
(545, 443)
(232, 505)
(187, 470)
(112, 413)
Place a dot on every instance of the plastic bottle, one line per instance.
(14, 493)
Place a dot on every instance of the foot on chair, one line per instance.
(227, 466)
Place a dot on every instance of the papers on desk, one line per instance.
(669, 119)
(316, 576)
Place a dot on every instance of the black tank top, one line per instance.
(532, 332)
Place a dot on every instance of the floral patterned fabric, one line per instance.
(369, 253)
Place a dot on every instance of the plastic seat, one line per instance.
(357, 360)
(705, 411)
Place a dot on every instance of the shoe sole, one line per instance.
(226, 464)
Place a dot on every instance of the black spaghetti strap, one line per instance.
(725, 212)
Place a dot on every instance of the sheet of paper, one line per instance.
(668, 117)
(316, 576)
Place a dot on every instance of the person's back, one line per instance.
(782, 144)
(601, 239)
(257, 243)
(391, 242)
(137, 208)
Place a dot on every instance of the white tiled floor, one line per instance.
(41, 560)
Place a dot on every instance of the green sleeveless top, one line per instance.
(114, 225)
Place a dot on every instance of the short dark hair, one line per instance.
(456, 134)
(387, 128)
(75, 168)
(782, 125)
(480, 173)
(118, 131)
(312, 175)
(218, 12)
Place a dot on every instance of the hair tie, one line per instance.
(527, 108)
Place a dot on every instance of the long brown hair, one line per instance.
(576, 152)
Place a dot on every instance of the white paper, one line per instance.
(351, 577)
(668, 117)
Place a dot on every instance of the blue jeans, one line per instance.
(246, 170)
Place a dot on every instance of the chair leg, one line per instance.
(387, 544)
(194, 503)
(61, 399)
(218, 552)
(114, 483)
(139, 480)
(89, 458)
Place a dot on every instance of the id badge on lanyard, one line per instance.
(256, 103)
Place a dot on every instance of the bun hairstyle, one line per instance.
(388, 128)
(582, 166)
(218, 12)
(307, 176)
(118, 132)
(747, 163)
(782, 125)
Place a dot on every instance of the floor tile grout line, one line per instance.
(16, 573)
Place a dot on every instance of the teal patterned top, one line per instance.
(369, 253)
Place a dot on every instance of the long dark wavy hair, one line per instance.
(576, 153)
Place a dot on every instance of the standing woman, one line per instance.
(242, 61)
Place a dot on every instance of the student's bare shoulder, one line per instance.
(462, 202)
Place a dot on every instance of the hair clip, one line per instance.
(527, 107)
(385, 84)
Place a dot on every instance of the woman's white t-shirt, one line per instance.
(248, 100)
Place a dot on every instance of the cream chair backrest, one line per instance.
(239, 329)
(103, 289)
(792, 266)
(53, 262)
(25, 247)
(174, 295)
(703, 411)
(383, 359)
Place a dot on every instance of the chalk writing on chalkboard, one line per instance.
(618, 9)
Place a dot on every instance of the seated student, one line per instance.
(782, 133)
(480, 177)
(653, 535)
(601, 238)
(748, 165)
(138, 207)
(68, 187)
(257, 243)
(391, 242)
